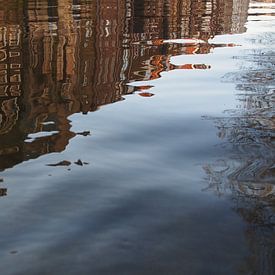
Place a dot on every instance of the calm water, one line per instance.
(137, 137)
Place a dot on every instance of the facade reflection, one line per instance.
(74, 56)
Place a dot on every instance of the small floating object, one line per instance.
(146, 94)
(85, 133)
(61, 163)
(80, 162)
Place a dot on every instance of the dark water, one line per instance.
(176, 177)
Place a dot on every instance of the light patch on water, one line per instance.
(32, 137)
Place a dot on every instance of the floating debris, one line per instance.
(61, 163)
(81, 163)
(85, 133)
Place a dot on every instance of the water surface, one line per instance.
(137, 137)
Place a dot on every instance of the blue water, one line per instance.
(139, 139)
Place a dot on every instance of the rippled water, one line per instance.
(177, 176)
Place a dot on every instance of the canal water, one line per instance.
(137, 137)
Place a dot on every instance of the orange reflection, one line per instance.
(56, 60)
(146, 94)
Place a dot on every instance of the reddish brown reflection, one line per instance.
(74, 56)
(146, 94)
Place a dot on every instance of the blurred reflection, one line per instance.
(248, 174)
(3, 192)
(62, 57)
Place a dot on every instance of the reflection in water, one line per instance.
(61, 58)
(249, 173)
(3, 192)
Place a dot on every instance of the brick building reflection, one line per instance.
(75, 56)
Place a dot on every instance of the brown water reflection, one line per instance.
(65, 57)
(137, 211)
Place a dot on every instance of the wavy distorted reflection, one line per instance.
(62, 58)
(247, 174)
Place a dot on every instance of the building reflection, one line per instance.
(63, 57)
